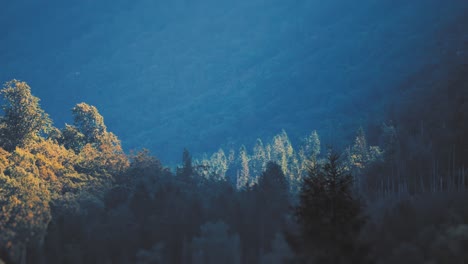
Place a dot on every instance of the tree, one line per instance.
(272, 181)
(311, 145)
(89, 122)
(259, 159)
(23, 118)
(272, 203)
(99, 151)
(71, 138)
(282, 151)
(219, 165)
(329, 216)
(359, 152)
(308, 153)
(243, 176)
(24, 214)
(187, 168)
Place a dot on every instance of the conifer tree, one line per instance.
(330, 216)
(219, 165)
(243, 176)
(359, 151)
(311, 145)
(186, 171)
(259, 159)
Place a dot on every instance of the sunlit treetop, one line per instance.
(23, 118)
(89, 121)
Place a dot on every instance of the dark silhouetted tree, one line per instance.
(273, 203)
(330, 216)
(186, 171)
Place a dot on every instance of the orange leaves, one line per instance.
(4, 159)
(52, 160)
(36, 170)
(24, 120)
(25, 213)
(108, 159)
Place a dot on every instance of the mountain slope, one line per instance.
(185, 73)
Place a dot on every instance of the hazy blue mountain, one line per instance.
(200, 74)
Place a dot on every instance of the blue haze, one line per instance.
(203, 74)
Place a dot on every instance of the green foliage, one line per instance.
(24, 119)
(72, 138)
(74, 196)
(89, 122)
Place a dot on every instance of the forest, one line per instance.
(234, 132)
(72, 195)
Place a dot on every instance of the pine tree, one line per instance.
(359, 152)
(243, 176)
(311, 145)
(218, 165)
(187, 168)
(282, 151)
(259, 159)
(329, 215)
(272, 203)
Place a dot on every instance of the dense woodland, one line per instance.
(71, 195)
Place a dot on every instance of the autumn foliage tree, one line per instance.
(23, 119)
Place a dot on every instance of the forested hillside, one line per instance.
(72, 195)
(237, 132)
(201, 74)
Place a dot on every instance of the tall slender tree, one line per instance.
(330, 216)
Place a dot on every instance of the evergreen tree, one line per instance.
(273, 182)
(272, 200)
(282, 151)
(186, 171)
(359, 152)
(219, 165)
(259, 159)
(243, 176)
(311, 145)
(330, 216)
